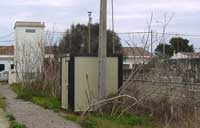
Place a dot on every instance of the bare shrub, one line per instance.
(38, 69)
(158, 90)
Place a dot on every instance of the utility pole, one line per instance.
(151, 43)
(89, 32)
(102, 50)
(163, 49)
(113, 27)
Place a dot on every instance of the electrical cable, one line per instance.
(8, 35)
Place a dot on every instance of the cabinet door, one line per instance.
(64, 83)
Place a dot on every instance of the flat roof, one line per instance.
(29, 24)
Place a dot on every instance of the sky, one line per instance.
(130, 15)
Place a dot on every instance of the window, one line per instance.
(2, 67)
(30, 30)
(12, 66)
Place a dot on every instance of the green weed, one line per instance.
(2, 103)
(89, 121)
(44, 100)
(16, 125)
(106, 121)
(13, 123)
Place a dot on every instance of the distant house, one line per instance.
(7, 55)
(186, 55)
(133, 56)
(6, 58)
(7, 61)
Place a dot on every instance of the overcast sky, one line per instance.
(130, 15)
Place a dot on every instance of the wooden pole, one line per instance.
(89, 32)
(163, 41)
(196, 117)
(113, 27)
(151, 44)
(102, 50)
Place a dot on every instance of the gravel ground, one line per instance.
(32, 115)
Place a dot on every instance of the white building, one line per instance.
(28, 52)
(186, 55)
(29, 46)
(7, 63)
(6, 58)
(135, 56)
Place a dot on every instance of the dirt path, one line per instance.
(32, 115)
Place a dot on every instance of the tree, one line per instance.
(168, 50)
(181, 45)
(75, 40)
(176, 44)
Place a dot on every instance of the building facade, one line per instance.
(29, 47)
(132, 57)
(6, 58)
(135, 56)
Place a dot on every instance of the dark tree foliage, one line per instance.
(181, 45)
(75, 40)
(168, 50)
(176, 44)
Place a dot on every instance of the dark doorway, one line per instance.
(12, 66)
(2, 67)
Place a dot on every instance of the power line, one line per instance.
(132, 33)
(51, 32)
(126, 33)
(8, 35)
(172, 34)
(7, 41)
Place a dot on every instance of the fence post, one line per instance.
(196, 117)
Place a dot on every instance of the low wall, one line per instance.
(172, 90)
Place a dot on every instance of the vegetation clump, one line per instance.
(89, 120)
(2, 103)
(37, 97)
(13, 123)
(107, 121)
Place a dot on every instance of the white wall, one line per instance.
(12, 77)
(7, 62)
(135, 60)
(179, 56)
(22, 37)
(31, 41)
(86, 80)
(28, 49)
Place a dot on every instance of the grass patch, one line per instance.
(2, 102)
(39, 98)
(89, 121)
(99, 121)
(13, 123)
(47, 102)
(16, 125)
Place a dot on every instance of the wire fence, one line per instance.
(137, 37)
